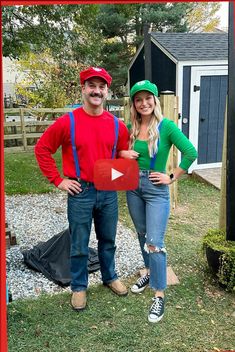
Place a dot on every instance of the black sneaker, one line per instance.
(156, 310)
(140, 284)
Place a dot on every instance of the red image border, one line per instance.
(3, 306)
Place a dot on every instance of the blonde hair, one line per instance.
(152, 130)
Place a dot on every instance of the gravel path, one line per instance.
(36, 218)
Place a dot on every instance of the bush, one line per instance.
(221, 257)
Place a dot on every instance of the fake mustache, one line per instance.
(93, 95)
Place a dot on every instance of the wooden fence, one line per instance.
(169, 105)
(23, 126)
(26, 124)
(31, 123)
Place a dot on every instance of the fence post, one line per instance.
(126, 104)
(169, 105)
(23, 130)
(222, 207)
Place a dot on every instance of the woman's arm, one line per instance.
(161, 178)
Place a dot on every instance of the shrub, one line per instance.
(215, 242)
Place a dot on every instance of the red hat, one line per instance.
(95, 72)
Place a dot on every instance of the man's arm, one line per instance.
(123, 138)
(123, 146)
(46, 146)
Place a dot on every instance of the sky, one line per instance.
(223, 13)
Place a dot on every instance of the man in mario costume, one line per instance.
(86, 135)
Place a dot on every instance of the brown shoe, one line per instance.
(117, 287)
(78, 300)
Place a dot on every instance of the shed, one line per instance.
(195, 67)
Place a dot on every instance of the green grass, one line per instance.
(199, 314)
(22, 174)
(110, 323)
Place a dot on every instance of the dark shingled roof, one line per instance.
(194, 46)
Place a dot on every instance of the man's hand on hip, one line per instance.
(70, 186)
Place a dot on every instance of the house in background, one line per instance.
(195, 67)
(9, 79)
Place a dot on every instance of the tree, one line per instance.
(44, 83)
(99, 35)
(52, 44)
(68, 31)
(202, 17)
(122, 26)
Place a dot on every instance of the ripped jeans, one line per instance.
(149, 207)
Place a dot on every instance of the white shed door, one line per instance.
(207, 109)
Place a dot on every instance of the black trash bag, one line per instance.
(52, 258)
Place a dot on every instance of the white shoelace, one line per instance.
(156, 306)
(142, 280)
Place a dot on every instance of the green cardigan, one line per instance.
(169, 134)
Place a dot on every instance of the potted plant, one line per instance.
(220, 254)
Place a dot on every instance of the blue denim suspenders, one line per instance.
(72, 132)
(153, 159)
(116, 124)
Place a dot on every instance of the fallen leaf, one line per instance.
(107, 323)
(59, 210)
(94, 327)
(178, 307)
(199, 301)
(37, 331)
(212, 294)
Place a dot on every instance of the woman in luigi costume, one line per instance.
(151, 137)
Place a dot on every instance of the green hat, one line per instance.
(144, 85)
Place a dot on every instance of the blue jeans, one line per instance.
(82, 207)
(149, 207)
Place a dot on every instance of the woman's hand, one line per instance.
(158, 178)
(128, 154)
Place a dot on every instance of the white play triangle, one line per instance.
(115, 174)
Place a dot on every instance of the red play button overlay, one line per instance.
(116, 174)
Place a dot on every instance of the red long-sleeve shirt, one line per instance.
(94, 139)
